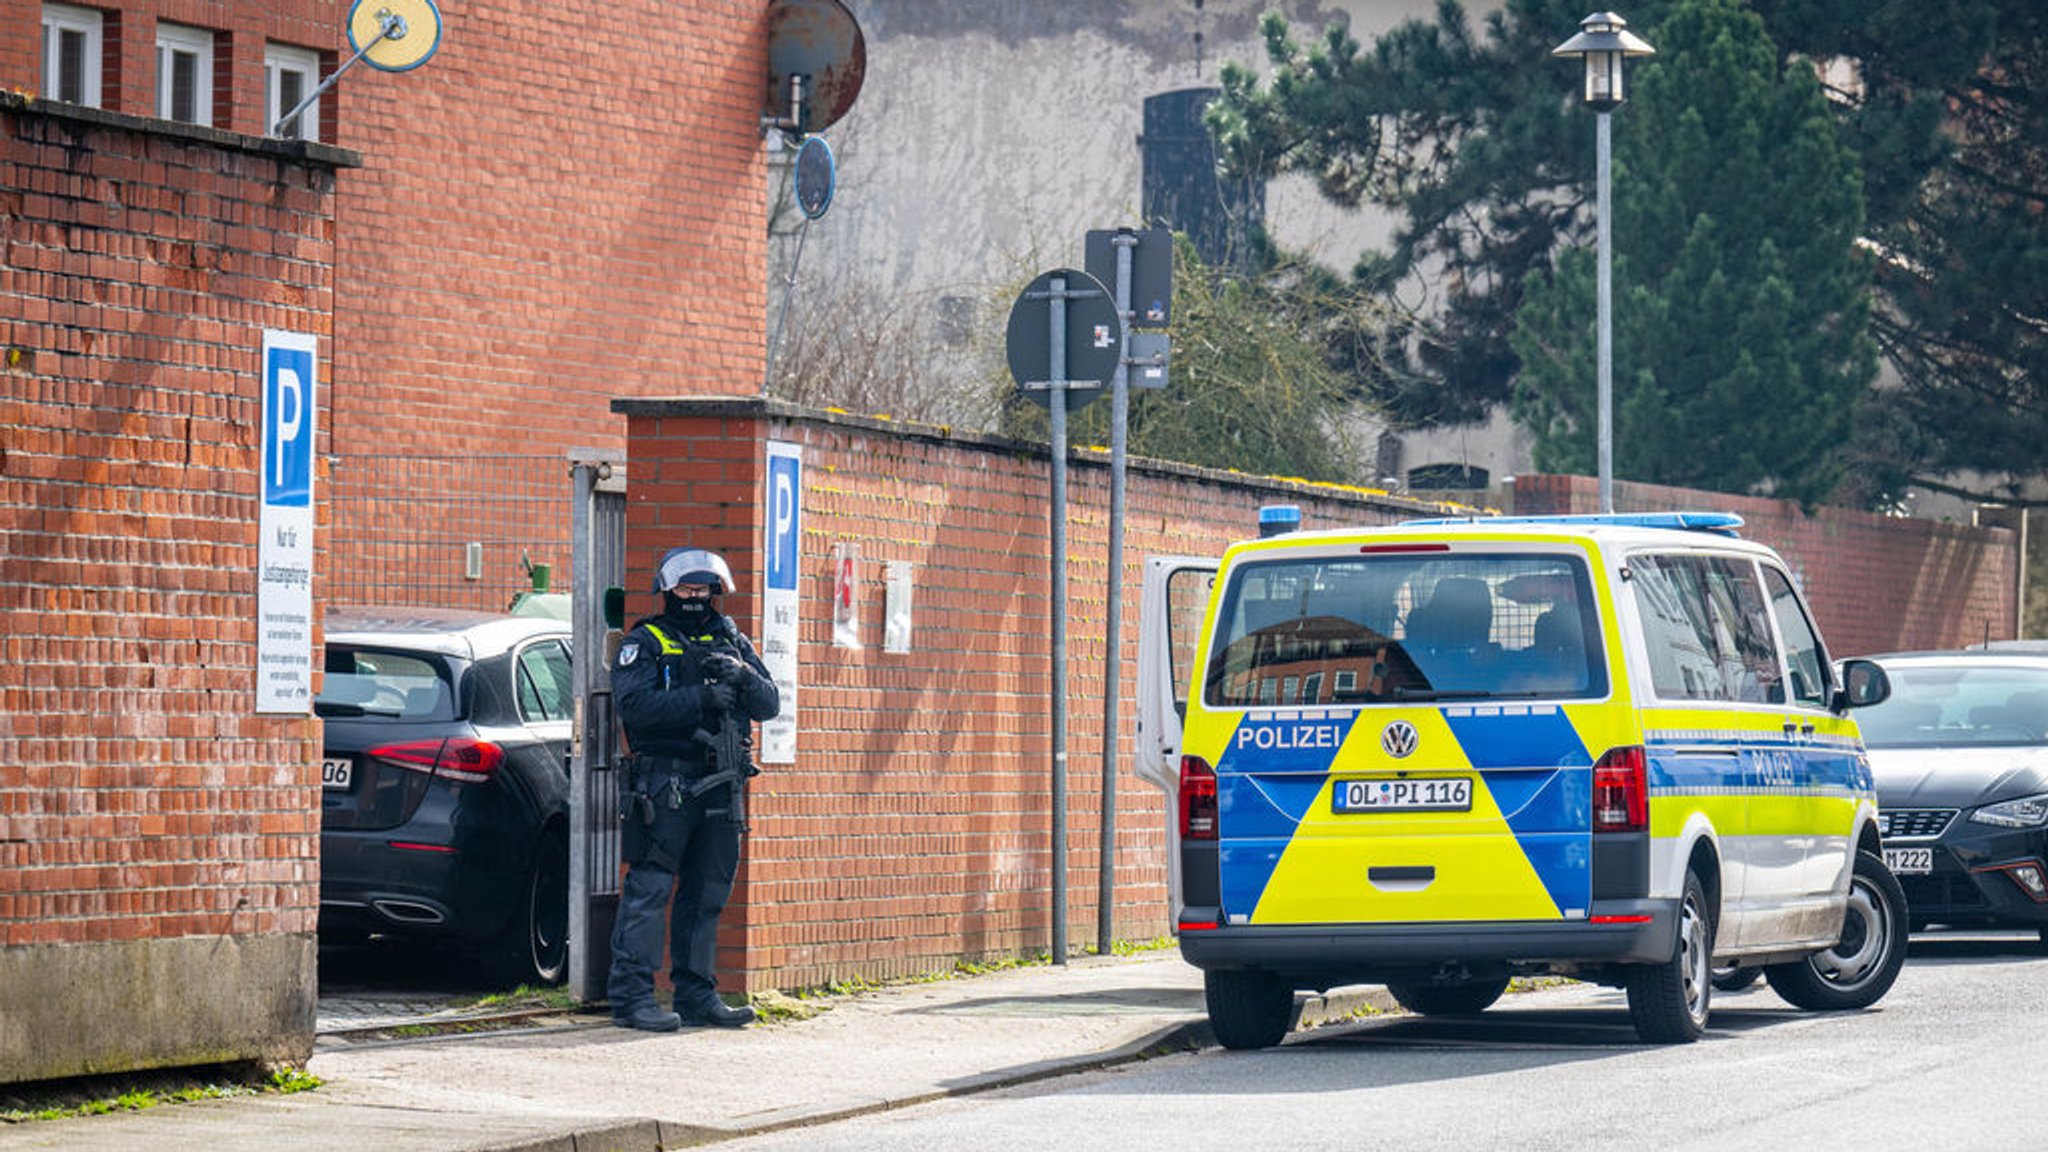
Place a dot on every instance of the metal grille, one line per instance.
(452, 532)
(1914, 823)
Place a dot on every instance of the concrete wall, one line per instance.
(159, 843)
(915, 826)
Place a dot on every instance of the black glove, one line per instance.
(719, 697)
(721, 666)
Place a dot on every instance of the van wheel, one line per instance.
(1735, 977)
(1860, 968)
(1668, 1001)
(534, 946)
(1248, 1008)
(1462, 999)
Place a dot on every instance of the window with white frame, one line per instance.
(73, 39)
(184, 74)
(289, 74)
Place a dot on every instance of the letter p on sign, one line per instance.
(289, 411)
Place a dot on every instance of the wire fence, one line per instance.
(450, 532)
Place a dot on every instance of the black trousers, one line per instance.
(691, 857)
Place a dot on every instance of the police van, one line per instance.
(1444, 753)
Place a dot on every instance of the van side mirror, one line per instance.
(1863, 684)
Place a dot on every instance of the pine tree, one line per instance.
(1740, 299)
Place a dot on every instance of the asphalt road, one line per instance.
(1950, 1059)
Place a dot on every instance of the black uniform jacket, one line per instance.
(658, 685)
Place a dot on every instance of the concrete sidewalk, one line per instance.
(580, 1087)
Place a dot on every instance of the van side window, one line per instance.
(1707, 628)
(1804, 654)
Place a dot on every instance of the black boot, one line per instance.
(715, 1012)
(647, 1018)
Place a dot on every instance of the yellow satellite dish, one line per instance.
(394, 35)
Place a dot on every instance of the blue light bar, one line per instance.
(1720, 523)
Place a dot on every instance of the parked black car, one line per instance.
(1960, 753)
(445, 801)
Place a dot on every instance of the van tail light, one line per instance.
(1621, 791)
(463, 758)
(1197, 799)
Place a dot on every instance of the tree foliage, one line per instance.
(1474, 138)
(1736, 267)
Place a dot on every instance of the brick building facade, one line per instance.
(554, 210)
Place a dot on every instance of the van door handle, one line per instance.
(1401, 877)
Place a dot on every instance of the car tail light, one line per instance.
(1197, 799)
(462, 758)
(1621, 791)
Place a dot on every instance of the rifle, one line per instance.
(728, 745)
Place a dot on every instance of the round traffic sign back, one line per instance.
(1093, 338)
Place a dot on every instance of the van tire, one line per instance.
(1248, 1008)
(1669, 1001)
(1462, 999)
(1861, 967)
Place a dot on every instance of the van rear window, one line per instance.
(1403, 628)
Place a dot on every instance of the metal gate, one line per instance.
(597, 604)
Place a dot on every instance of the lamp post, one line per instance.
(1603, 42)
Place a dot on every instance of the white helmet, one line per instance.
(692, 566)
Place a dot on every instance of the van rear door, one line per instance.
(1170, 609)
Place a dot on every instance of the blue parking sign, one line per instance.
(288, 408)
(785, 518)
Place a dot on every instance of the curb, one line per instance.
(650, 1135)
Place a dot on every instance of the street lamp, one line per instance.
(1603, 42)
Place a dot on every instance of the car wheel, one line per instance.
(1248, 1008)
(1860, 968)
(534, 947)
(1462, 999)
(1735, 977)
(1669, 1001)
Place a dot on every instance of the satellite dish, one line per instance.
(816, 177)
(394, 35)
(816, 61)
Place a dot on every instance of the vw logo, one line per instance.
(1398, 739)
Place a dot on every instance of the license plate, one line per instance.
(1447, 794)
(337, 773)
(1909, 861)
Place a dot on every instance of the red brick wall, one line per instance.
(1877, 583)
(140, 797)
(915, 826)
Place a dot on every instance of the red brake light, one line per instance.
(1197, 799)
(1621, 791)
(462, 758)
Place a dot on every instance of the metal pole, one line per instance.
(583, 982)
(1113, 627)
(392, 27)
(1059, 619)
(1604, 176)
(788, 290)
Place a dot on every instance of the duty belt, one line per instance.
(671, 766)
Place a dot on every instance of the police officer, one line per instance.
(679, 676)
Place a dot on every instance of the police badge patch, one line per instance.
(628, 653)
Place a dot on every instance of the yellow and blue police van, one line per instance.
(1441, 754)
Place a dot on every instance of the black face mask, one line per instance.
(691, 614)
